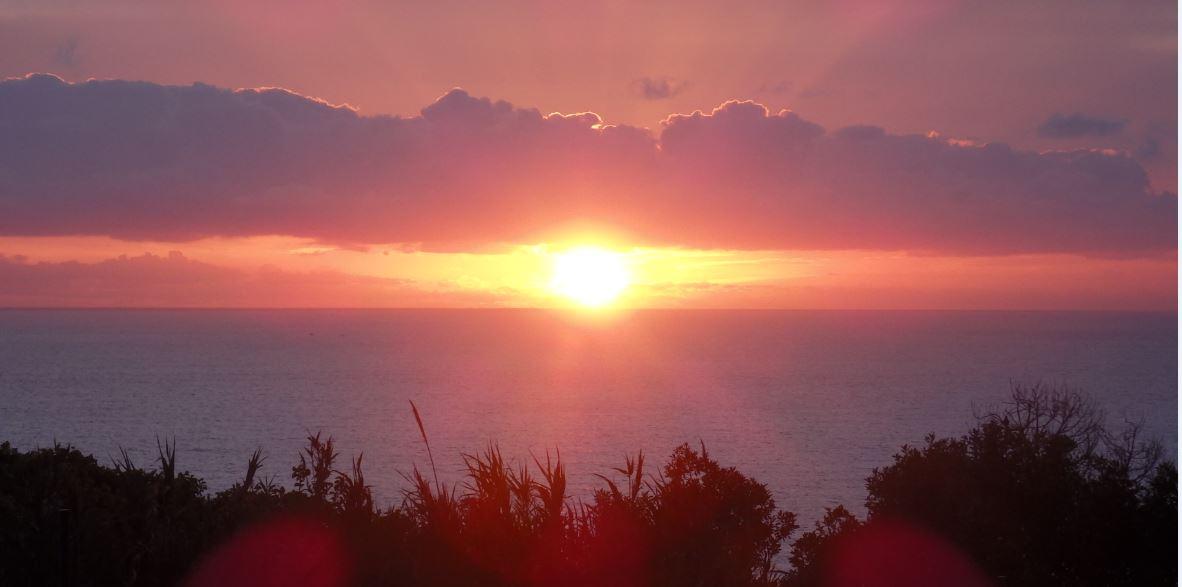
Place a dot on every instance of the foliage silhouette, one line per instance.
(1037, 493)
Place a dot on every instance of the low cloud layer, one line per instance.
(1074, 126)
(148, 281)
(847, 280)
(136, 160)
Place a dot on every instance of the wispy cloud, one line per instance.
(175, 280)
(1072, 126)
(658, 88)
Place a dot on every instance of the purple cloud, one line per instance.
(136, 160)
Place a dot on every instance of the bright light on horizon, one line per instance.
(590, 276)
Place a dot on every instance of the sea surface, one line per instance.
(806, 402)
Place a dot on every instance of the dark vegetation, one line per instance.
(1038, 493)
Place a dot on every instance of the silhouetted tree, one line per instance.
(1039, 493)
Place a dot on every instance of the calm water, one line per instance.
(807, 402)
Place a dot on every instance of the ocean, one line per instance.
(808, 402)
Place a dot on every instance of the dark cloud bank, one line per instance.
(143, 161)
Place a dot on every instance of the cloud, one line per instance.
(178, 281)
(66, 54)
(135, 160)
(1158, 142)
(1073, 126)
(658, 88)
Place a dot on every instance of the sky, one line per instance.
(842, 154)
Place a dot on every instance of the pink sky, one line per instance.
(914, 154)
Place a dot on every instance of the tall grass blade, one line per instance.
(423, 433)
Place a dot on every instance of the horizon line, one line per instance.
(585, 311)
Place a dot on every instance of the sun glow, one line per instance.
(590, 276)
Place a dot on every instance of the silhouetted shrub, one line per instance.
(713, 525)
(813, 552)
(65, 517)
(696, 524)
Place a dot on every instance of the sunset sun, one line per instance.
(589, 276)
